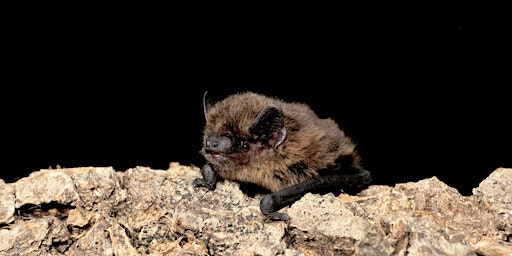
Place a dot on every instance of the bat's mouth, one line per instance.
(221, 157)
(215, 154)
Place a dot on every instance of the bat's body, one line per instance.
(280, 146)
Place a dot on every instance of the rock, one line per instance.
(6, 203)
(141, 211)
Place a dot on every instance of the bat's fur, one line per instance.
(306, 147)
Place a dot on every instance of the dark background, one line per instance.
(422, 93)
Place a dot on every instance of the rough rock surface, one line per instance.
(141, 211)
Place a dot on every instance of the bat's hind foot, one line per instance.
(267, 208)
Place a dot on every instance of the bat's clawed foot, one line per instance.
(198, 182)
(267, 207)
(279, 216)
(209, 179)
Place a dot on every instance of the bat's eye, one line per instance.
(245, 145)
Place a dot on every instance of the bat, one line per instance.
(281, 147)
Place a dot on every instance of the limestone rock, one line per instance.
(141, 211)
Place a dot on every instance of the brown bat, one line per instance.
(283, 147)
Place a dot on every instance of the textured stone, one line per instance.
(141, 211)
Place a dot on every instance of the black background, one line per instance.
(423, 93)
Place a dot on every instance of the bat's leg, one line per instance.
(210, 177)
(271, 203)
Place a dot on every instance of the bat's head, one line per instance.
(241, 129)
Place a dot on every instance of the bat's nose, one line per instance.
(212, 144)
(219, 144)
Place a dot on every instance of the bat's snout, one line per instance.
(217, 144)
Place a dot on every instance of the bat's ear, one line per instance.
(269, 125)
(206, 104)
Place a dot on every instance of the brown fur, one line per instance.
(311, 142)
